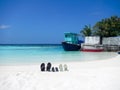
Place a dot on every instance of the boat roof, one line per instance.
(70, 33)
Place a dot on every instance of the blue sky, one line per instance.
(45, 21)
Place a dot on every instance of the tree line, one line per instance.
(108, 27)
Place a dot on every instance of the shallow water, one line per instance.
(28, 54)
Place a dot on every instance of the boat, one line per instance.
(70, 47)
(92, 44)
(71, 42)
(92, 48)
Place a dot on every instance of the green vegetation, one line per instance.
(107, 27)
(87, 31)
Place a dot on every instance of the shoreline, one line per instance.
(81, 64)
(77, 60)
(88, 75)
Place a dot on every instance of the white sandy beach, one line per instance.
(88, 75)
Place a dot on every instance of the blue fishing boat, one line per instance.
(71, 42)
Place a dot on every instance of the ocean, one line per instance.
(38, 53)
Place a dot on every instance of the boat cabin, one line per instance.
(71, 38)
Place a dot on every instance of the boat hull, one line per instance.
(92, 50)
(71, 47)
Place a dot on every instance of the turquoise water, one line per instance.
(29, 54)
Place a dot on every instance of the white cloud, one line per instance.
(4, 26)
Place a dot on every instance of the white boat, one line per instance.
(92, 48)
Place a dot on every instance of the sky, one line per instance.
(45, 21)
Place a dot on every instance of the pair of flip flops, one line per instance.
(63, 67)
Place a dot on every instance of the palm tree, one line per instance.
(86, 31)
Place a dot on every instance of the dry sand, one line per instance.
(88, 75)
